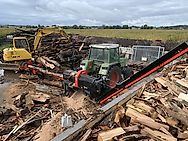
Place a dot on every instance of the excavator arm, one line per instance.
(45, 32)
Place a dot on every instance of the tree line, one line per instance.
(145, 26)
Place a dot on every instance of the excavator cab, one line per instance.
(21, 42)
(20, 50)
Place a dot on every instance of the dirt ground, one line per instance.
(77, 106)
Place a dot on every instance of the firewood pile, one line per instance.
(158, 112)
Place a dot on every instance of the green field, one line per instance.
(5, 31)
(147, 34)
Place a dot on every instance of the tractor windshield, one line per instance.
(99, 54)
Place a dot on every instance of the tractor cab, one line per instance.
(100, 58)
(106, 53)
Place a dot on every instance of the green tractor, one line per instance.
(106, 61)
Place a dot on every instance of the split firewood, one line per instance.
(165, 131)
(144, 107)
(141, 91)
(110, 134)
(143, 119)
(119, 115)
(182, 83)
(158, 135)
(135, 108)
(183, 118)
(86, 135)
(162, 118)
(149, 95)
(183, 135)
(183, 96)
(182, 66)
(162, 81)
(133, 137)
(132, 129)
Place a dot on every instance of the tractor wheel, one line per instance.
(114, 76)
(127, 72)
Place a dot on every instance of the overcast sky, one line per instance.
(94, 12)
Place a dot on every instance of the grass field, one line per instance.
(165, 35)
(5, 31)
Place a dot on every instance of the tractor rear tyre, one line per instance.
(114, 76)
(127, 72)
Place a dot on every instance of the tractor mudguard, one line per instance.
(105, 67)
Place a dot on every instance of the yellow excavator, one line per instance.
(21, 49)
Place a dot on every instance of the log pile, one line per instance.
(65, 53)
(56, 47)
(158, 112)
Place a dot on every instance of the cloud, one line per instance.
(94, 12)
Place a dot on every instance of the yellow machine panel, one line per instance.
(12, 54)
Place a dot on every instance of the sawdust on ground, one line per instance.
(15, 89)
(50, 129)
(79, 102)
(75, 102)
